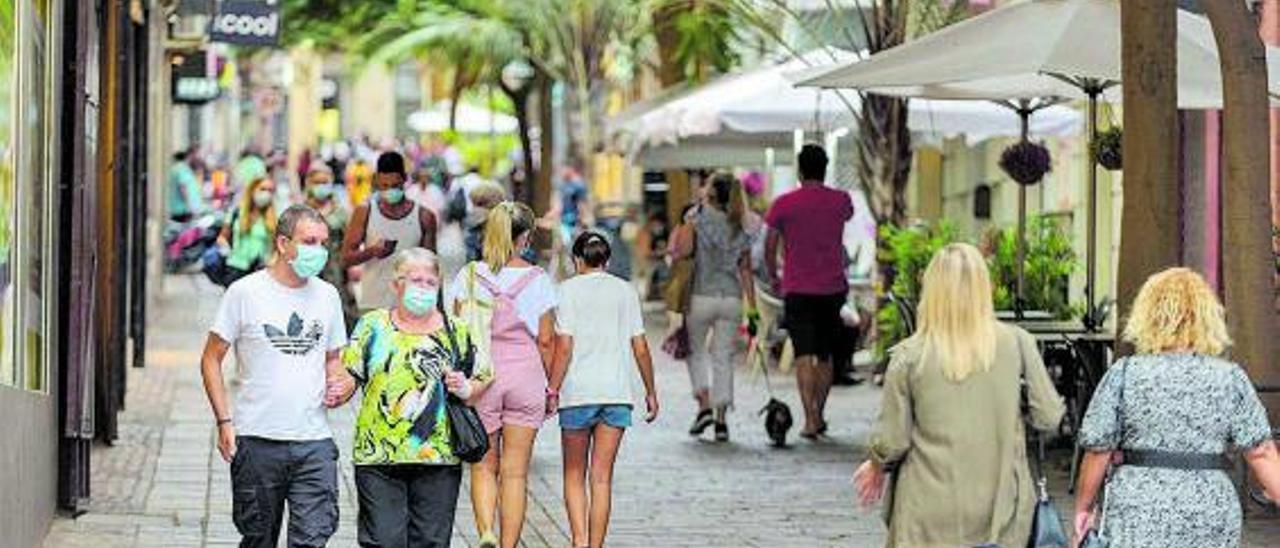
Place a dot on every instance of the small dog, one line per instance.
(777, 421)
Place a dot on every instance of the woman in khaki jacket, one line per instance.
(951, 417)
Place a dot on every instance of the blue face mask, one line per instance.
(529, 255)
(310, 260)
(419, 300)
(322, 191)
(392, 195)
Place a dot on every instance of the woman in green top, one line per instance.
(247, 233)
(407, 477)
(951, 417)
(319, 189)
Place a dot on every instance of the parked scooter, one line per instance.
(186, 243)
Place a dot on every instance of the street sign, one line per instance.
(192, 82)
(247, 22)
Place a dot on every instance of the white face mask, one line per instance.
(262, 198)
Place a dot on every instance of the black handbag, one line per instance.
(468, 438)
(1046, 524)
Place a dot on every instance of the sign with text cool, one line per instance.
(247, 22)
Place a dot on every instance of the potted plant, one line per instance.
(1026, 162)
(1108, 148)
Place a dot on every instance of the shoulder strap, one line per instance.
(484, 281)
(524, 281)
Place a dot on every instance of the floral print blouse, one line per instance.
(402, 418)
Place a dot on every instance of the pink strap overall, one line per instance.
(520, 382)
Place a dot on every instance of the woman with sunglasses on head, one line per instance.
(406, 359)
(510, 304)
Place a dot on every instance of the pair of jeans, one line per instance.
(712, 368)
(267, 473)
(407, 505)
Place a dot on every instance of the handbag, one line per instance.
(467, 436)
(1046, 524)
(677, 344)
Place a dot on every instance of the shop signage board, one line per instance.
(247, 22)
(192, 83)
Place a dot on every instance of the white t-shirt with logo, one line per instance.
(281, 335)
(602, 313)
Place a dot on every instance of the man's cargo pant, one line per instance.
(266, 473)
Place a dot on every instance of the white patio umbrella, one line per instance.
(765, 101)
(470, 119)
(1033, 49)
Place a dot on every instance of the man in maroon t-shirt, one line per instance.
(810, 223)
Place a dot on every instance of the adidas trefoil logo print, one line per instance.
(293, 341)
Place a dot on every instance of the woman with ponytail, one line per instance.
(509, 302)
(722, 280)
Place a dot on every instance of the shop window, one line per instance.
(26, 183)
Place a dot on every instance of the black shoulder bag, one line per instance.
(1046, 524)
(468, 438)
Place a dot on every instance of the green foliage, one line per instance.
(1048, 268)
(907, 251)
(1049, 265)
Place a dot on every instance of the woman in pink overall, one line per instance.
(520, 300)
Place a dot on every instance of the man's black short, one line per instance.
(813, 323)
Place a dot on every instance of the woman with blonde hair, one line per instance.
(1168, 416)
(951, 418)
(406, 359)
(248, 231)
(509, 303)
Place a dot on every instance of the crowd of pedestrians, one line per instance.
(514, 345)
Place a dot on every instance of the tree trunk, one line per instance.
(546, 152)
(1270, 31)
(520, 100)
(884, 157)
(1150, 228)
(1246, 207)
(670, 72)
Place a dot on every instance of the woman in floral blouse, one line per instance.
(406, 475)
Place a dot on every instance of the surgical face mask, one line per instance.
(529, 255)
(393, 195)
(262, 198)
(322, 191)
(419, 300)
(310, 260)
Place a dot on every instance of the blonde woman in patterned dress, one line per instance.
(1171, 413)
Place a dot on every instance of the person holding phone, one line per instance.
(378, 228)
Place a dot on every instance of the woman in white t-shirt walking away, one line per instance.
(509, 304)
(599, 339)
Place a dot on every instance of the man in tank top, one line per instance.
(385, 223)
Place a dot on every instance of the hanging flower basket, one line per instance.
(1108, 148)
(1025, 162)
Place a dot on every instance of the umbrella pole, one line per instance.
(1019, 296)
(1090, 287)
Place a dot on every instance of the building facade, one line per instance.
(73, 206)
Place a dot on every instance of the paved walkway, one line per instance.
(163, 483)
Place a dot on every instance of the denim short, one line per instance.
(583, 417)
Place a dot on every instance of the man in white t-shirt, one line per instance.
(287, 329)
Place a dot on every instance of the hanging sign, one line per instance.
(192, 83)
(247, 22)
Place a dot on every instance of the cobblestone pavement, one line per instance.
(163, 483)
